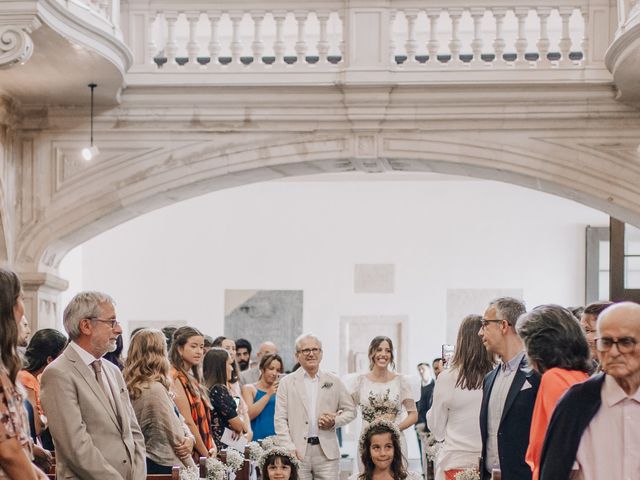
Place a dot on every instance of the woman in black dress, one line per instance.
(217, 368)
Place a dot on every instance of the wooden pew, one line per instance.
(243, 474)
(174, 475)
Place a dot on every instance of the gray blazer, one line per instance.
(91, 441)
(292, 417)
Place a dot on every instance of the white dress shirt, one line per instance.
(311, 385)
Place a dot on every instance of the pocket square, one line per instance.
(525, 386)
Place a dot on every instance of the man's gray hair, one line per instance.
(509, 309)
(305, 336)
(83, 305)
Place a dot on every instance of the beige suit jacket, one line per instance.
(92, 441)
(292, 416)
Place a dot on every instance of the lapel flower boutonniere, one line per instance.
(327, 385)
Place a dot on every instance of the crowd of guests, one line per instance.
(535, 395)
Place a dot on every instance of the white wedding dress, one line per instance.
(399, 389)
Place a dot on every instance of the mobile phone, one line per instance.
(447, 355)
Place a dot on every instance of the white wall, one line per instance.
(175, 263)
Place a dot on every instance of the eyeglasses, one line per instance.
(484, 323)
(113, 322)
(624, 344)
(308, 351)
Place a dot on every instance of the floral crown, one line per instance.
(382, 422)
(278, 452)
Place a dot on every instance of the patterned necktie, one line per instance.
(97, 368)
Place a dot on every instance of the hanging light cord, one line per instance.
(92, 86)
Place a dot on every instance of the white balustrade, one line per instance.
(427, 34)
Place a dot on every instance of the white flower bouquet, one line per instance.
(269, 442)
(380, 406)
(189, 473)
(235, 460)
(468, 474)
(255, 451)
(215, 469)
(432, 447)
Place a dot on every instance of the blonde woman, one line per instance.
(167, 438)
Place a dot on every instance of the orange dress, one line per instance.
(553, 384)
(30, 382)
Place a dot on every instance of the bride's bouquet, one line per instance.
(380, 406)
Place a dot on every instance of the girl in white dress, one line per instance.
(381, 453)
(382, 393)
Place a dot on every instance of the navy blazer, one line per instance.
(513, 432)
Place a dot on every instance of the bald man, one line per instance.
(593, 433)
(252, 375)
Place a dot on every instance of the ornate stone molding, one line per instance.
(16, 46)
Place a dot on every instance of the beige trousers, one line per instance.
(316, 465)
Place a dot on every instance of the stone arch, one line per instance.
(83, 201)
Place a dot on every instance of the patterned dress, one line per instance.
(223, 409)
(14, 422)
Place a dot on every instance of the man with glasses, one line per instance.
(85, 399)
(593, 433)
(310, 405)
(508, 396)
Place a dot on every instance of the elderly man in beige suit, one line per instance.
(93, 425)
(310, 405)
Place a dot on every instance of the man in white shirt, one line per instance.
(310, 405)
(92, 422)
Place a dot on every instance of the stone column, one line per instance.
(41, 298)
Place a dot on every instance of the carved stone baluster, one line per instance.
(565, 40)
(214, 43)
(521, 42)
(543, 42)
(192, 46)
(455, 44)
(152, 48)
(236, 44)
(411, 46)
(433, 45)
(279, 46)
(171, 48)
(498, 43)
(323, 42)
(476, 44)
(257, 46)
(301, 43)
(585, 36)
(392, 42)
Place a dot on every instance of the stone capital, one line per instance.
(42, 297)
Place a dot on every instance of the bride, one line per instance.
(383, 394)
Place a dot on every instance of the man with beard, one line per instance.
(243, 353)
(92, 422)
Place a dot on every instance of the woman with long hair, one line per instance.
(191, 398)
(217, 368)
(453, 417)
(167, 438)
(383, 393)
(15, 442)
(261, 396)
(44, 347)
(558, 350)
(381, 454)
(234, 382)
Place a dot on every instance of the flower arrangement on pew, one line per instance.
(255, 451)
(235, 461)
(215, 469)
(190, 473)
(468, 474)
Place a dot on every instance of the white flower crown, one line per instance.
(395, 431)
(279, 452)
